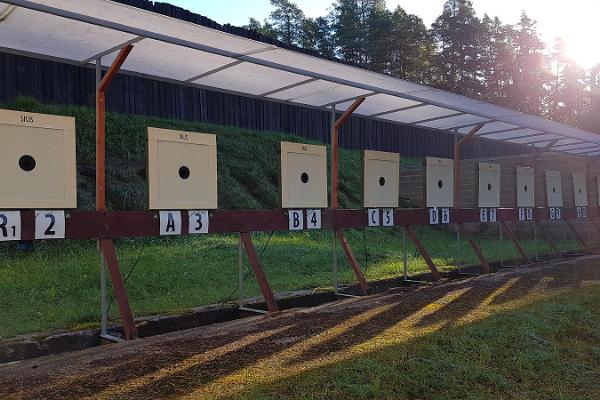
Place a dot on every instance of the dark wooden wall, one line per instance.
(52, 82)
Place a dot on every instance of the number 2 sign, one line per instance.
(49, 224)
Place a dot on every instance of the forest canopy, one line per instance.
(482, 57)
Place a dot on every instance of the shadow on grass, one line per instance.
(322, 343)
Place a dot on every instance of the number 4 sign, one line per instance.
(313, 219)
(197, 222)
(10, 225)
(49, 224)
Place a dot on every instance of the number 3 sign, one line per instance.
(198, 221)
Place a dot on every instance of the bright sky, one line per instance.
(575, 21)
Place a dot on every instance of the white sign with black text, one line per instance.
(434, 216)
(10, 225)
(387, 216)
(170, 223)
(295, 220)
(49, 224)
(374, 219)
(197, 222)
(313, 219)
(483, 215)
(493, 215)
(445, 215)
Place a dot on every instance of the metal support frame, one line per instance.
(506, 228)
(548, 238)
(413, 237)
(259, 272)
(485, 267)
(584, 246)
(334, 196)
(106, 246)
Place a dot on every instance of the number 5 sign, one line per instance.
(10, 225)
(49, 224)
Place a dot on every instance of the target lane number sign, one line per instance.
(296, 219)
(10, 225)
(171, 224)
(380, 217)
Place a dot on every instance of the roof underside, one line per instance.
(82, 31)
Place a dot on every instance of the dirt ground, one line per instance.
(227, 359)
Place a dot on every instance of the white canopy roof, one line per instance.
(81, 31)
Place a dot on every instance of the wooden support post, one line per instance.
(353, 263)
(106, 246)
(485, 267)
(424, 254)
(259, 273)
(584, 246)
(548, 238)
(109, 255)
(335, 129)
(515, 241)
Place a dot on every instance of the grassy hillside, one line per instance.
(57, 286)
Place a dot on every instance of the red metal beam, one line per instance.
(109, 256)
(485, 267)
(457, 166)
(584, 246)
(106, 246)
(515, 241)
(259, 272)
(353, 263)
(413, 237)
(335, 149)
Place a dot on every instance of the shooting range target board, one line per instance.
(303, 176)
(381, 179)
(182, 170)
(580, 189)
(489, 185)
(439, 182)
(525, 187)
(37, 161)
(553, 189)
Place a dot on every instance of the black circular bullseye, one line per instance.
(440, 184)
(489, 186)
(184, 172)
(579, 190)
(381, 181)
(553, 190)
(27, 163)
(304, 177)
(525, 188)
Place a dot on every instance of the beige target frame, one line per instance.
(439, 185)
(37, 161)
(182, 170)
(488, 193)
(303, 179)
(381, 179)
(580, 194)
(525, 187)
(554, 196)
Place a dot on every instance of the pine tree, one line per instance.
(457, 32)
(288, 21)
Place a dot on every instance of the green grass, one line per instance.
(57, 286)
(545, 351)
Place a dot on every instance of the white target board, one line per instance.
(37, 161)
(439, 182)
(381, 179)
(525, 187)
(553, 189)
(580, 190)
(489, 185)
(303, 175)
(182, 170)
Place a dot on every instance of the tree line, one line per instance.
(485, 58)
